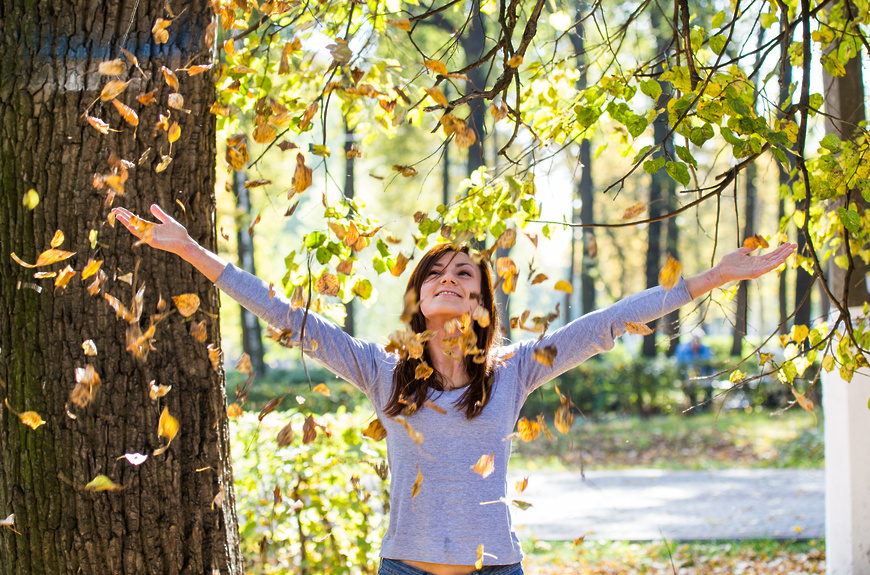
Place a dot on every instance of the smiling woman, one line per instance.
(447, 394)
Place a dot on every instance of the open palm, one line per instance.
(739, 265)
(168, 235)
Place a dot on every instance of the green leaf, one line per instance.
(653, 166)
(319, 150)
(701, 134)
(729, 136)
(383, 248)
(31, 199)
(831, 142)
(636, 125)
(379, 265)
(679, 172)
(314, 240)
(768, 20)
(652, 89)
(851, 219)
(817, 101)
(323, 256)
(717, 43)
(828, 363)
(787, 372)
(362, 289)
(686, 156)
(833, 66)
(718, 19)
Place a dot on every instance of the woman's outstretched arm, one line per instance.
(170, 236)
(738, 265)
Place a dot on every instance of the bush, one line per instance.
(316, 508)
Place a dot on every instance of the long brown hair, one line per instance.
(410, 391)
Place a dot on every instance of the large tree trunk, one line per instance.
(162, 521)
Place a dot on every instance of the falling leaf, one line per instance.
(198, 69)
(57, 239)
(345, 266)
(755, 241)
(161, 36)
(167, 426)
(148, 98)
(164, 163)
(806, 404)
(418, 482)
(543, 424)
(31, 419)
(479, 563)
(637, 328)
(187, 304)
(464, 136)
(173, 133)
(540, 278)
(198, 331)
(92, 268)
(94, 286)
(270, 407)
(545, 355)
(156, 391)
(112, 67)
(521, 504)
(127, 113)
(302, 175)
(89, 347)
(590, 244)
(98, 124)
(507, 239)
(112, 90)
(30, 199)
(214, 355)
(327, 284)
(436, 66)
(309, 430)
(564, 413)
(401, 263)
(64, 276)
(481, 316)
(499, 112)
(102, 483)
(321, 389)
(528, 430)
(264, 134)
(515, 61)
(176, 101)
(170, 77)
(423, 371)
(87, 385)
(234, 410)
(564, 286)
(634, 211)
(375, 430)
(669, 276)
(406, 171)
(134, 458)
(401, 24)
(521, 485)
(44, 275)
(485, 465)
(415, 435)
(437, 95)
(435, 407)
(285, 436)
(218, 500)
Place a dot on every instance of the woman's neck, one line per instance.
(450, 365)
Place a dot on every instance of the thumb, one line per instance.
(160, 214)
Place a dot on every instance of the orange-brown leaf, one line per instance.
(285, 436)
(187, 304)
(127, 113)
(545, 355)
(436, 66)
(485, 465)
(270, 407)
(418, 482)
(669, 276)
(244, 364)
(302, 175)
(327, 284)
(637, 328)
(112, 67)
(755, 241)
(167, 426)
(170, 77)
(198, 331)
(528, 430)
(31, 419)
(375, 430)
(112, 89)
(321, 389)
(634, 211)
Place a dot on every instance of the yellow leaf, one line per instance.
(112, 90)
(799, 333)
(479, 563)
(168, 425)
(64, 276)
(319, 150)
(321, 389)
(57, 239)
(418, 482)
(158, 391)
(187, 304)
(437, 96)
(174, 132)
(463, 136)
(423, 371)
(436, 66)
(92, 268)
(264, 134)
(828, 363)
(31, 419)
(485, 465)
(170, 77)
(406, 171)
(755, 241)
(148, 98)
(214, 355)
(127, 113)
(564, 413)
(46, 258)
(198, 69)
(637, 328)
(244, 364)
(302, 175)
(545, 355)
(806, 404)
(102, 483)
(435, 407)
(481, 316)
(564, 286)
(521, 485)
(375, 430)
(401, 24)
(669, 276)
(415, 435)
(634, 211)
(112, 67)
(234, 410)
(528, 430)
(98, 124)
(161, 36)
(515, 61)
(89, 347)
(30, 199)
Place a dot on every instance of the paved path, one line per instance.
(677, 505)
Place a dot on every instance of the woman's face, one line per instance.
(450, 288)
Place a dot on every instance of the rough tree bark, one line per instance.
(162, 521)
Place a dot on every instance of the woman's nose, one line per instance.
(448, 277)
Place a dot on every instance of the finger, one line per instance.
(160, 214)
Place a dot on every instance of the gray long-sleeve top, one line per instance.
(446, 521)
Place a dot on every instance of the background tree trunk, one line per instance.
(349, 193)
(252, 339)
(749, 227)
(162, 522)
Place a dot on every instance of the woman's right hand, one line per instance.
(168, 235)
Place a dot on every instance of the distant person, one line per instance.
(450, 400)
(696, 361)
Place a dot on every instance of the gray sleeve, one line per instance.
(354, 360)
(592, 334)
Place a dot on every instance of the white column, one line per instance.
(847, 472)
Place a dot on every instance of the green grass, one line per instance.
(733, 439)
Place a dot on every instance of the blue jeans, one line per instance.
(394, 567)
